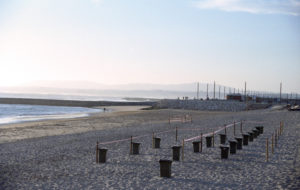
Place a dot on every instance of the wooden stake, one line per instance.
(201, 143)
(182, 150)
(276, 138)
(176, 134)
(272, 146)
(130, 145)
(280, 126)
(241, 128)
(152, 139)
(225, 130)
(213, 137)
(234, 128)
(267, 150)
(97, 152)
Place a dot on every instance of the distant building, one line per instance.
(237, 97)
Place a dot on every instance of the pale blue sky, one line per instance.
(152, 41)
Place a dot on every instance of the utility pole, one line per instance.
(219, 92)
(207, 92)
(214, 89)
(198, 91)
(280, 92)
(233, 90)
(245, 92)
(224, 93)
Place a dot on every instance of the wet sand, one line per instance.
(19, 131)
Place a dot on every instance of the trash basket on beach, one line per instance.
(135, 148)
(250, 136)
(233, 146)
(239, 143)
(208, 141)
(102, 155)
(222, 138)
(224, 151)
(255, 133)
(176, 153)
(196, 146)
(165, 168)
(156, 142)
(245, 139)
(260, 129)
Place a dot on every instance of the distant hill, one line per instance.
(92, 90)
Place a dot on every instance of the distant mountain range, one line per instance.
(97, 90)
(99, 86)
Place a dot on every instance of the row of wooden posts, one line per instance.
(274, 140)
(134, 147)
(165, 165)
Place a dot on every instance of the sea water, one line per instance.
(15, 113)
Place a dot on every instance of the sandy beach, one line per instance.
(60, 154)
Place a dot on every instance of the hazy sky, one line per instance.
(152, 41)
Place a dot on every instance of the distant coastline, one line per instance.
(72, 103)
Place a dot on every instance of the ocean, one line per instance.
(15, 113)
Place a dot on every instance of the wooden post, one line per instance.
(213, 138)
(152, 139)
(225, 130)
(272, 146)
(234, 128)
(182, 150)
(276, 137)
(241, 128)
(130, 145)
(278, 132)
(280, 126)
(97, 152)
(176, 134)
(201, 143)
(267, 150)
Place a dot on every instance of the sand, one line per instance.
(14, 132)
(43, 161)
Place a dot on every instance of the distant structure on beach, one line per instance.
(236, 96)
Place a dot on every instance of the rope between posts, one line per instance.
(207, 134)
(182, 129)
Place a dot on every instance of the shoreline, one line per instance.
(59, 126)
(72, 103)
